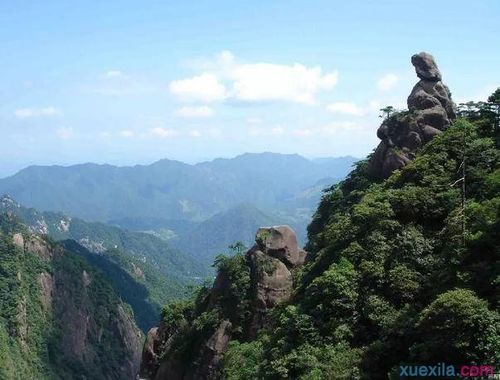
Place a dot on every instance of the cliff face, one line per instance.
(237, 306)
(60, 318)
(430, 111)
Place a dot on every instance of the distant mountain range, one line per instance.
(198, 207)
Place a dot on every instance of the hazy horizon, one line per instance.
(9, 170)
(133, 84)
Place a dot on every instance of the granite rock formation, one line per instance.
(430, 111)
(270, 262)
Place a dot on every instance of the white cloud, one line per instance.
(113, 74)
(387, 82)
(201, 111)
(346, 108)
(224, 78)
(163, 132)
(127, 133)
(64, 133)
(205, 87)
(195, 133)
(26, 113)
(270, 82)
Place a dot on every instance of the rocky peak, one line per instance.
(280, 242)
(425, 66)
(271, 262)
(430, 111)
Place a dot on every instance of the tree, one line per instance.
(387, 112)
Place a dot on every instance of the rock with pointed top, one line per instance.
(430, 111)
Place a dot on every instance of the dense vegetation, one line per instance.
(59, 318)
(403, 270)
(143, 269)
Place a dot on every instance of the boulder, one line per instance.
(425, 66)
(280, 242)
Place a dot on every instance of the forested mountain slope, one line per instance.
(59, 317)
(143, 269)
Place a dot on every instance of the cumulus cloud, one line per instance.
(163, 132)
(225, 78)
(387, 82)
(26, 113)
(346, 108)
(270, 82)
(205, 87)
(194, 112)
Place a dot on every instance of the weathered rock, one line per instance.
(271, 262)
(211, 354)
(18, 240)
(430, 111)
(425, 66)
(149, 360)
(36, 245)
(272, 283)
(280, 242)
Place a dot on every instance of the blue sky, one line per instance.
(128, 82)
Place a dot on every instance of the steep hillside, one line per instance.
(144, 269)
(402, 266)
(59, 317)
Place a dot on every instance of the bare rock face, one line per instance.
(211, 354)
(430, 111)
(272, 260)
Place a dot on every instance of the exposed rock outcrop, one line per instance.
(430, 111)
(270, 262)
